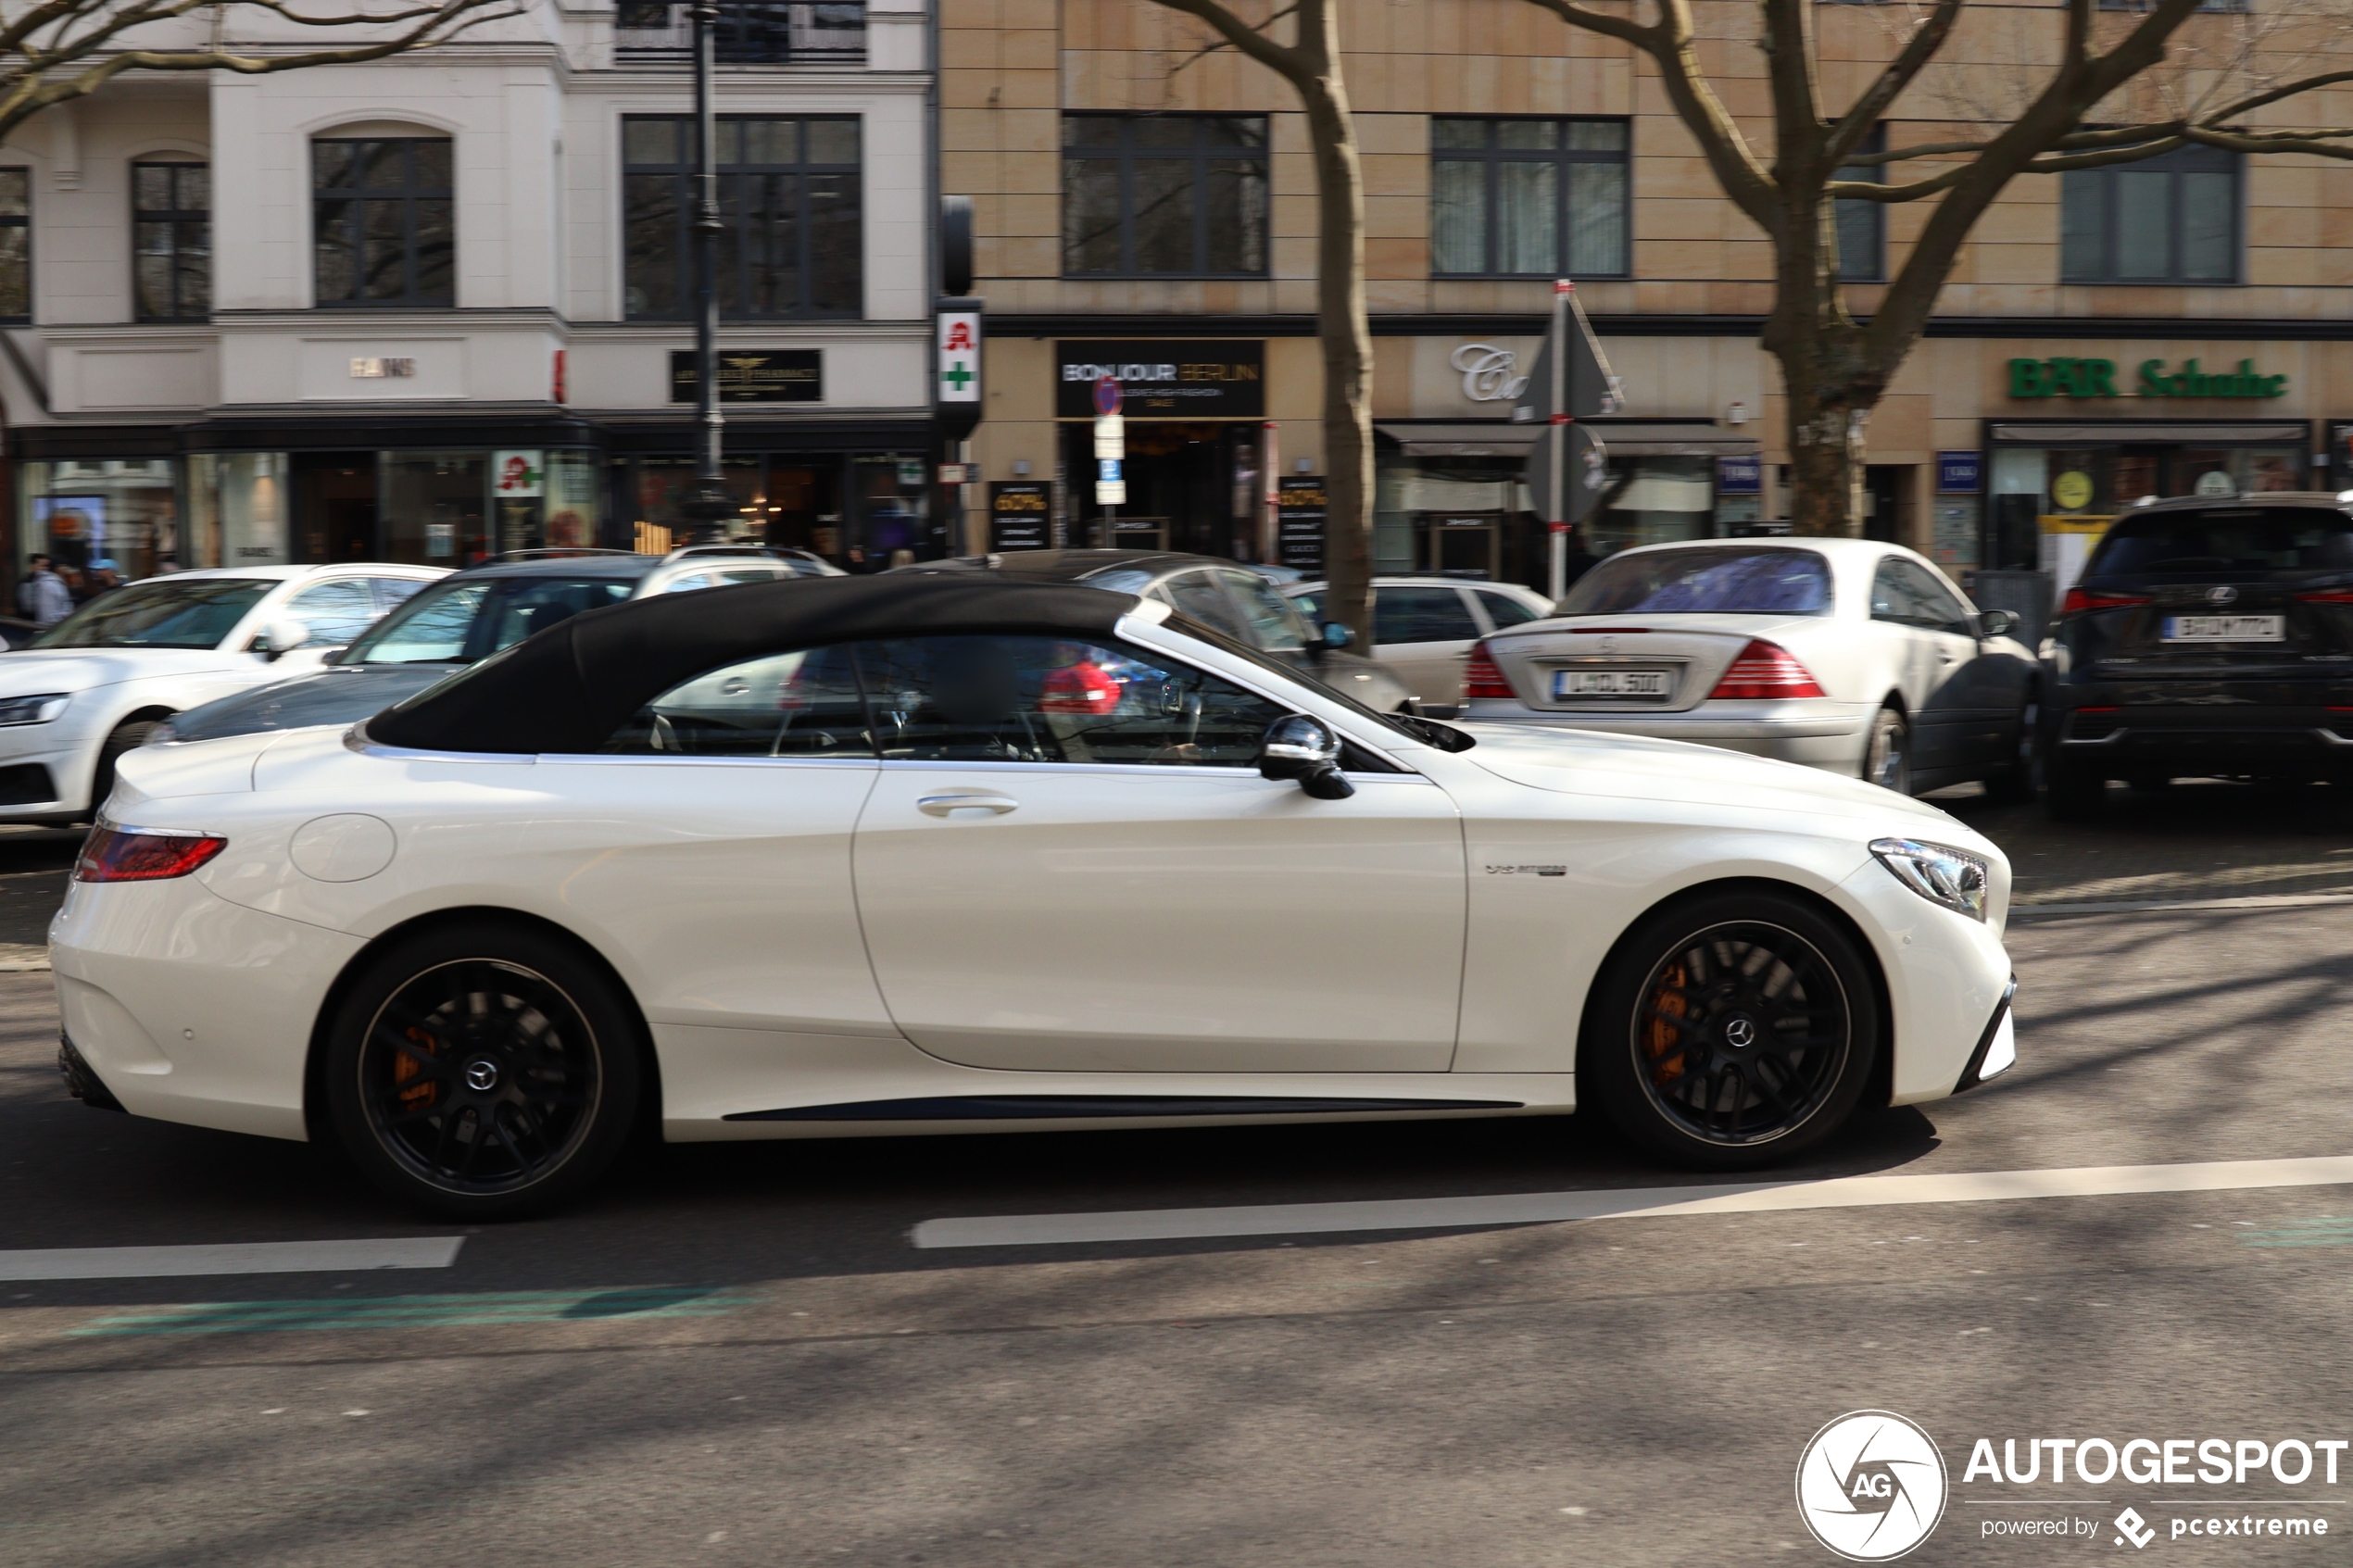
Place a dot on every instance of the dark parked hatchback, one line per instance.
(2205, 637)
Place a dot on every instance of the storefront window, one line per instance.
(104, 517)
(575, 509)
(894, 510)
(435, 507)
(1654, 501)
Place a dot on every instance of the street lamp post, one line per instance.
(708, 508)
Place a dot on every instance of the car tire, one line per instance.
(2072, 793)
(483, 1070)
(126, 737)
(1731, 1031)
(1887, 756)
(2017, 784)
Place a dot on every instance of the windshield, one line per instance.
(1719, 580)
(458, 620)
(167, 612)
(2227, 539)
(1428, 731)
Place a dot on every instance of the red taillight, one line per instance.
(2329, 596)
(2078, 600)
(1083, 687)
(1764, 670)
(1483, 677)
(112, 854)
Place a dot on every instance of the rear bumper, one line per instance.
(2220, 738)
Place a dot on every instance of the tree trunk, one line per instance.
(1830, 387)
(1348, 355)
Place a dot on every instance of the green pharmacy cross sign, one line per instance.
(2063, 377)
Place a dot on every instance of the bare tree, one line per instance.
(57, 50)
(2078, 64)
(1310, 63)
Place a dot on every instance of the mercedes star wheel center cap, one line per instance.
(1740, 1032)
(482, 1074)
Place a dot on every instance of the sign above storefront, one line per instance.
(1959, 473)
(1174, 380)
(1740, 474)
(780, 375)
(2069, 377)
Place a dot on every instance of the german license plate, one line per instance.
(1610, 683)
(2225, 629)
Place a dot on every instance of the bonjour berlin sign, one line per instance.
(2063, 376)
(1166, 380)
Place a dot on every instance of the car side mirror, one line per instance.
(1334, 635)
(1995, 623)
(1305, 749)
(280, 638)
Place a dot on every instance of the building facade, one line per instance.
(1146, 202)
(432, 307)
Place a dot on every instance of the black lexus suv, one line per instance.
(2206, 636)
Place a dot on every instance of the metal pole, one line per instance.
(709, 506)
(1556, 435)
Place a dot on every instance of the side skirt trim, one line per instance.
(1031, 1107)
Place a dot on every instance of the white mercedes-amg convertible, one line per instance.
(925, 854)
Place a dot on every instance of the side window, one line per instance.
(336, 610)
(1891, 595)
(393, 592)
(805, 703)
(1431, 613)
(534, 606)
(1196, 593)
(1503, 609)
(1939, 606)
(690, 582)
(435, 632)
(1310, 605)
(1273, 625)
(1043, 699)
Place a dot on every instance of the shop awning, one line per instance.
(1500, 438)
(2286, 433)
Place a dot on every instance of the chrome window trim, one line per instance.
(639, 759)
(1123, 770)
(356, 739)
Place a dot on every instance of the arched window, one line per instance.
(383, 231)
(171, 239)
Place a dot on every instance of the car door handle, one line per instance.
(947, 804)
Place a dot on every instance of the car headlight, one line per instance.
(1954, 878)
(35, 710)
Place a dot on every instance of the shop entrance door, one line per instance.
(1883, 485)
(1195, 480)
(334, 508)
(1463, 544)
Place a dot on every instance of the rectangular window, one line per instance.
(16, 245)
(1862, 225)
(1529, 198)
(1181, 195)
(2172, 219)
(383, 229)
(789, 201)
(172, 235)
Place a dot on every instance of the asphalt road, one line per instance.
(735, 1355)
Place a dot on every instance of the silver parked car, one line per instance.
(1425, 627)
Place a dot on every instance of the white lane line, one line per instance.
(2126, 906)
(1626, 1203)
(231, 1258)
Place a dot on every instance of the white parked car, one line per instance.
(1844, 654)
(1424, 628)
(953, 853)
(100, 681)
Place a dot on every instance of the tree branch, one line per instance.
(1290, 63)
(1208, 49)
(1909, 62)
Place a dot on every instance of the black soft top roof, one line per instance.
(570, 688)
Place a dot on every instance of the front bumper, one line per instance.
(1996, 1051)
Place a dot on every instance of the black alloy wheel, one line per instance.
(2020, 780)
(1734, 1031)
(482, 1074)
(126, 737)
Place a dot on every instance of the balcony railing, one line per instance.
(752, 32)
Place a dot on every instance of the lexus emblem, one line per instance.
(2220, 595)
